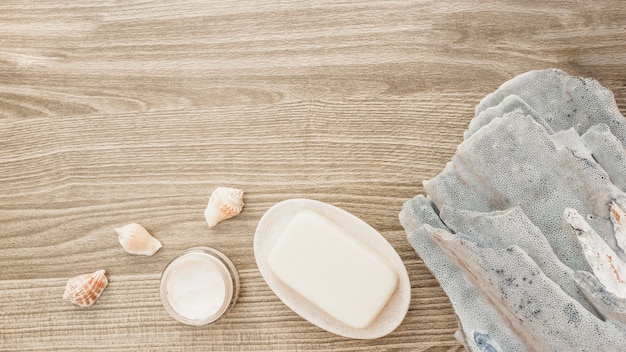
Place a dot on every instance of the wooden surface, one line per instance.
(133, 111)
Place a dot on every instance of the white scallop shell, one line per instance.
(84, 290)
(137, 240)
(224, 203)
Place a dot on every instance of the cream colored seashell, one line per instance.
(618, 218)
(137, 240)
(605, 263)
(84, 290)
(225, 202)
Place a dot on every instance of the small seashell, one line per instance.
(137, 240)
(84, 290)
(618, 218)
(606, 265)
(225, 202)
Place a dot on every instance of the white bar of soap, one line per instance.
(332, 269)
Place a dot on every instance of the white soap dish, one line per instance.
(271, 227)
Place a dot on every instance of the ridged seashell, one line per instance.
(84, 290)
(137, 240)
(225, 202)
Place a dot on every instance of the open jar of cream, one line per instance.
(199, 286)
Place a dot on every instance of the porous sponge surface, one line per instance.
(492, 230)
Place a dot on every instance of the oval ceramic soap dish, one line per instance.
(270, 229)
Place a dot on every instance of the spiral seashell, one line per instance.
(225, 202)
(84, 290)
(137, 240)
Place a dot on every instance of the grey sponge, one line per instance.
(492, 227)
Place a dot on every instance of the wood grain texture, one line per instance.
(133, 111)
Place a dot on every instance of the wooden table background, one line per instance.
(133, 111)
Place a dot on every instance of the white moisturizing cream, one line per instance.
(199, 286)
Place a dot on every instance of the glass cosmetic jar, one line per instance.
(199, 286)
